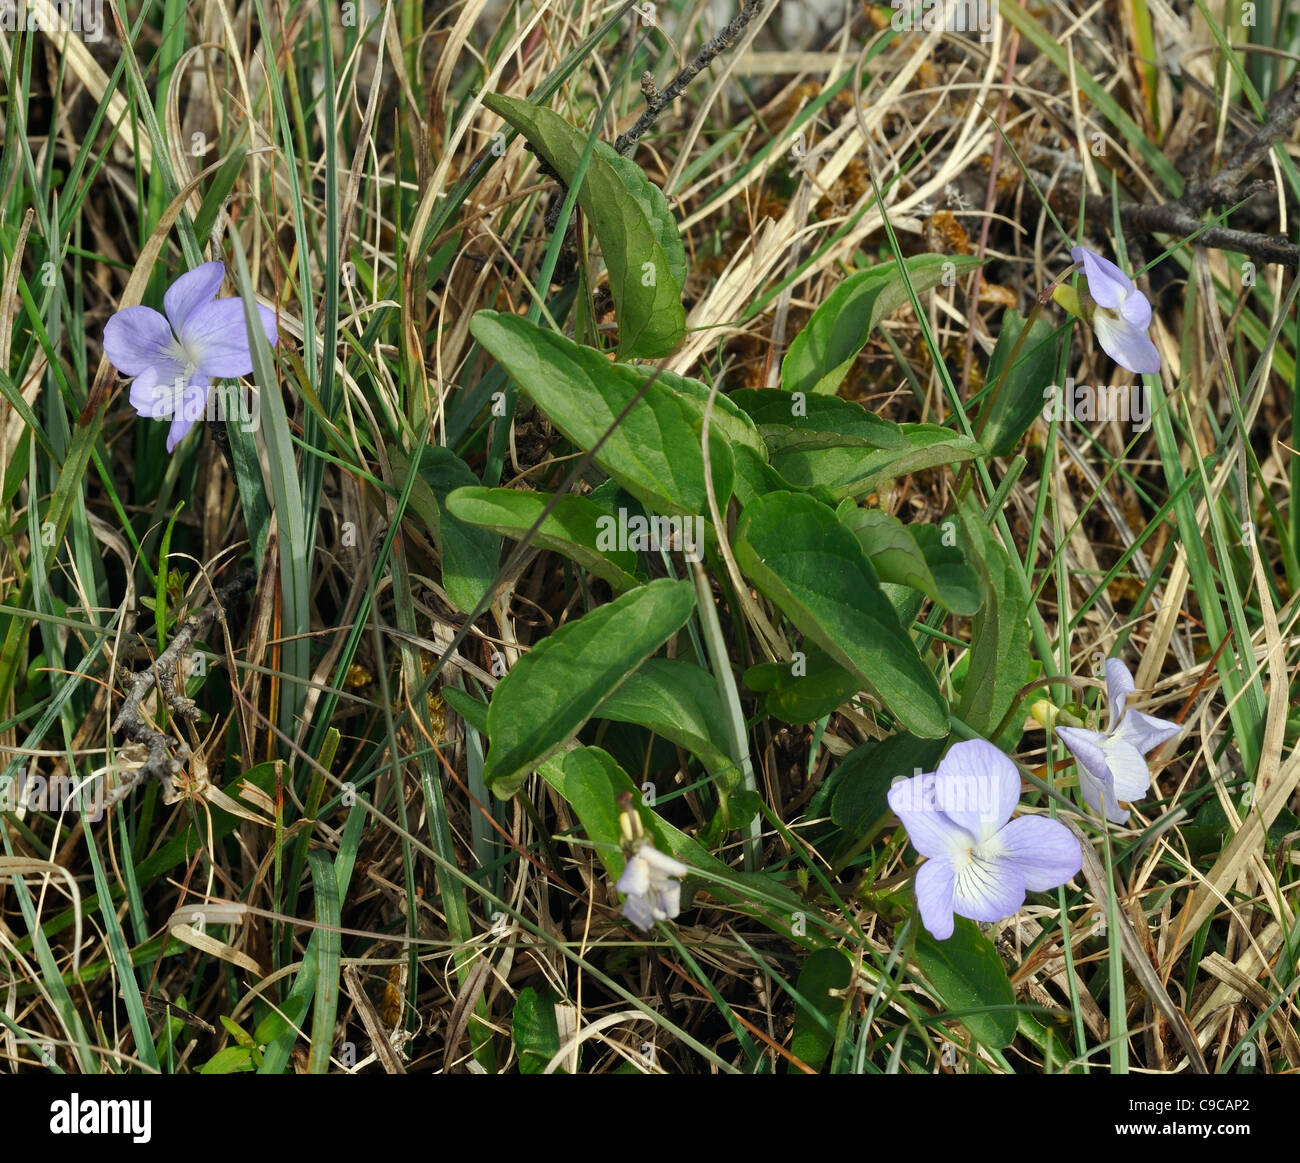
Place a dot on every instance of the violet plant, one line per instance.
(980, 862)
(1111, 764)
(174, 357)
(480, 623)
(1109, 302)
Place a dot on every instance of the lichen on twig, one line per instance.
(161, 762)
(657, 100)
(1225, 188)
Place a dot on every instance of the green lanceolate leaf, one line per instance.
(819, 1010)
(218, 192)
(854, 472)
(915, 556)
(535, 1030)
(629, 222)
(955, 580)
(467, 707)
(469, 554)
(573, 528)
(748, 449)
(790, 422)
(231, 1060)
(970, 981)
(999, 649)
(654, 205)
(734, 422)
(678, 700)
(1006, 417)
(822, 353)
(810, 685)
(557, 686)
(654, 452)
(796, 551)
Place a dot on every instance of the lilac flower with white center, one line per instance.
(651, 881)
(175, 358)
(1111, 765)
(1118, 312)
(980, 862)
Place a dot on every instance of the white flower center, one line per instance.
(975, 875)
(183, 353)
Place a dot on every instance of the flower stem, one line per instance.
(1018, 701)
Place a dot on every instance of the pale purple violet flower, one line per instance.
(652, 883)
(1111, 767)
(980, 862)
(175, 358)
(1120, 313)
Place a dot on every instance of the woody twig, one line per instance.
(1224, 189)
(657, 100)
(166, 753)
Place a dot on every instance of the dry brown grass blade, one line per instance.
(210, 945)
(89, 73)
(383, 1048)
(463, 1009)
(1279, 687)
(1053, 967)
(1241, 984)
(180, 157)
(711, 319)
(9, 290)
(28, 866)
(436, 188)
(1134, 954)
(1248, 841)
(1216, 1006)
(569, 1048)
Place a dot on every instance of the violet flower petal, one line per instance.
(1136, 311)
(637, 910)
(1121, 313)
(1119, 685)
(1129, 775)
(668, 899)
(650, 884)
(1126, 345)
(635, 880)
(193, 402)
(192, 292)
(1044, 851)
(977, 787)
(932, 833)
(1107, 284)
(934, 898)
(1095, 780)
(984, 879)
(157, 391)
(662, 864)
(217, 338)
(987, 888)
(173, 359)
(137, 338)
(1111, 767)
(1145, 732)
